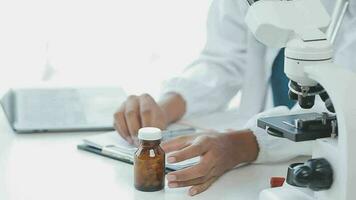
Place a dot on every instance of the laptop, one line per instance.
(62, 109)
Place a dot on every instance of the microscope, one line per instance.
(307, 32)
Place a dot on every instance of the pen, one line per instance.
(167, 134)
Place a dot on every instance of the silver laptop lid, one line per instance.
(62, 109)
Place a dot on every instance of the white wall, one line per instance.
(133, 43)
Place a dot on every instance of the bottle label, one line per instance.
(152, 153)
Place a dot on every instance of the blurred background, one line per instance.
(131, 43)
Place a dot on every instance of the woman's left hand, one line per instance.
(218, 154)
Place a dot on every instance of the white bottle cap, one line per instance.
(149, 133)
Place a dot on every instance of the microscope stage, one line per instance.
(300, 127)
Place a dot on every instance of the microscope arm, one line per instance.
(336, 19)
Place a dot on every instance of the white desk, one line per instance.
(48, 166)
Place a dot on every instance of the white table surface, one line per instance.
(49, 166)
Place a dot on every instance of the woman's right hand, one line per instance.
(143, 111)
(136, 112)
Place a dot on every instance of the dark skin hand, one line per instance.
(219, 153)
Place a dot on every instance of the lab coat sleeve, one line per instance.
(274, 149)
(210, 82)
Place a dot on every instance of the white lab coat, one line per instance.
(233, 60)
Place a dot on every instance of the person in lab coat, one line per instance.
(232, 60)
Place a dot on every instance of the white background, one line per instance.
(130, 43)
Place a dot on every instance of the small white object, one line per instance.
(149, 133)
(152, 153)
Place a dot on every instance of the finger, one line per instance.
(196, 181)
(199, 147)
(192, 182)
(120, 124)
(187, 153)
(132, 116)
(146, 105)
(196, 171)
(176, 143)
(196, 189)
(157, 119)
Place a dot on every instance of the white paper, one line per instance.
(116, 144)
(217, 121)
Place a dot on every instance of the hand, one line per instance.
(218, 154)
(137, 112)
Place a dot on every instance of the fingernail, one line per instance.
(171, 159)
(172, 185)
(129, 140)
(193, 192)
(171, 177)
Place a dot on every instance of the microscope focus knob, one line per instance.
(315, 174)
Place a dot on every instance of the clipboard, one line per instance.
(111, 145)
(121, 159)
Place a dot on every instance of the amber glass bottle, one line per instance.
(149, 162)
